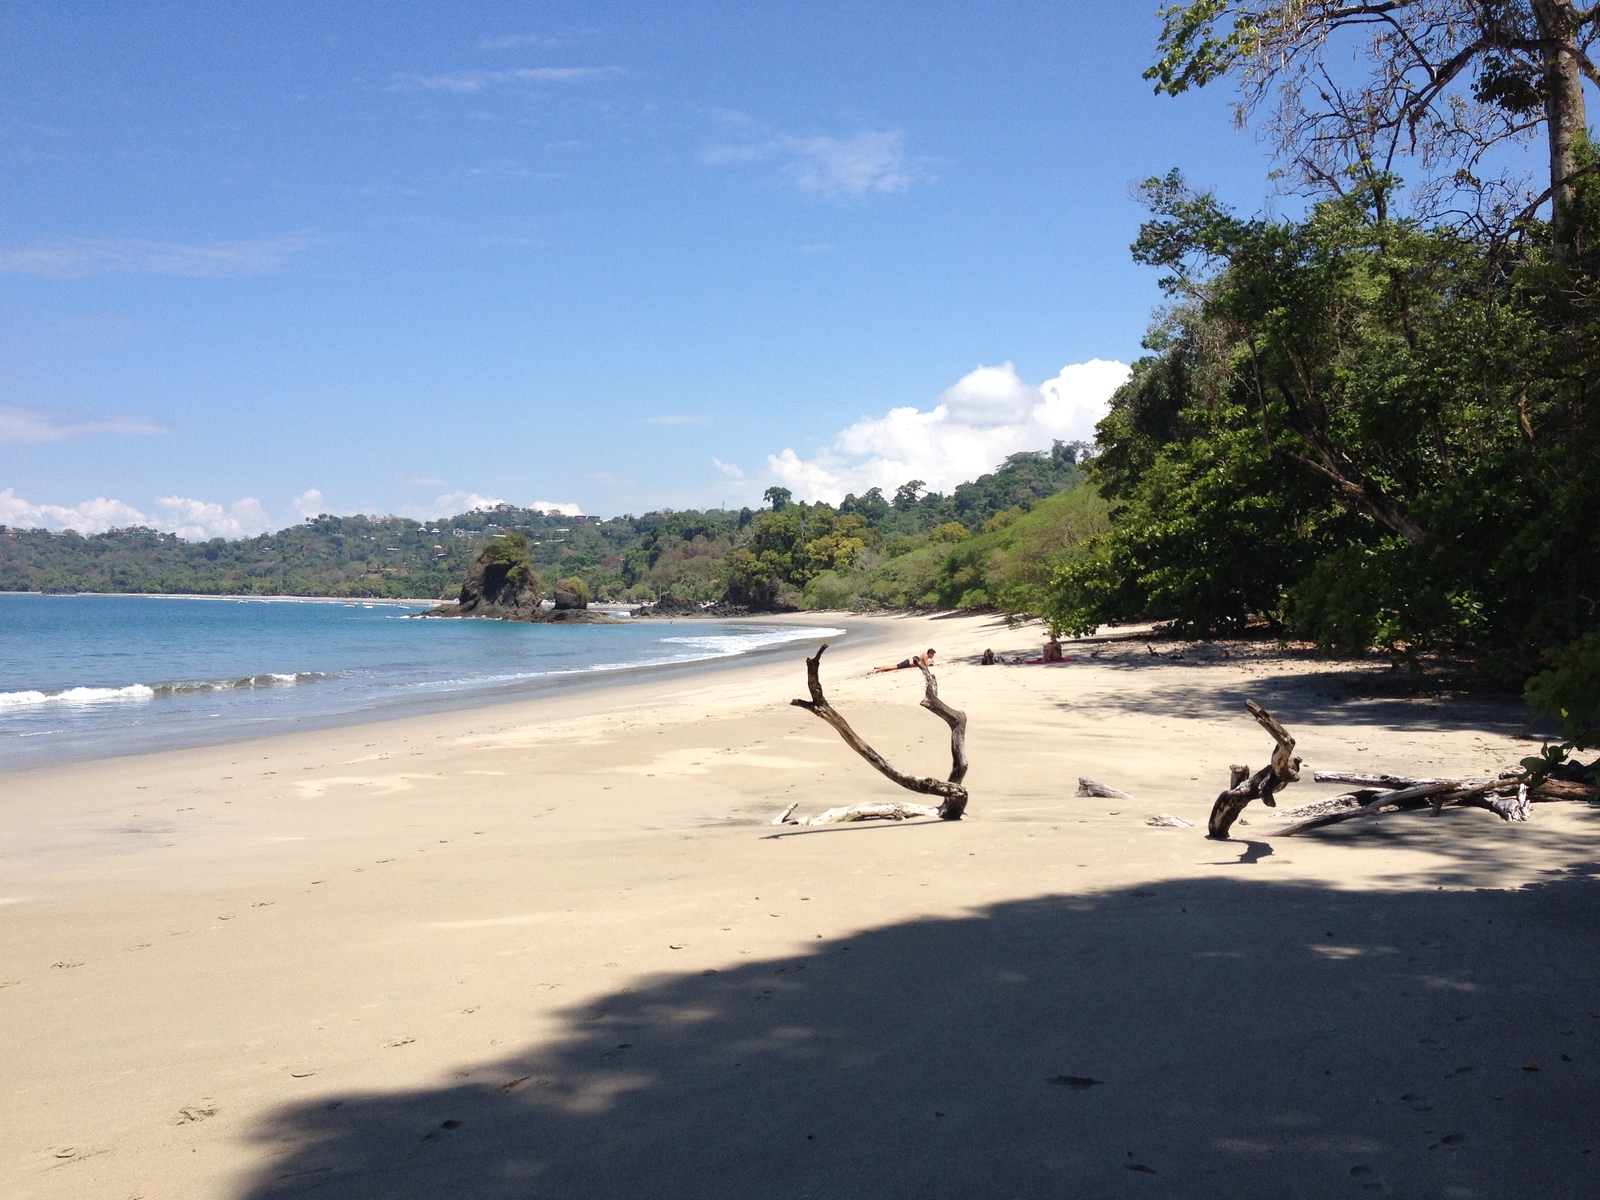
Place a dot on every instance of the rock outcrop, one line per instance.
(500, 583)
(571, 594)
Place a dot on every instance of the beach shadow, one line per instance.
(1191, 1038)
(1254, 852)
(1328, 697)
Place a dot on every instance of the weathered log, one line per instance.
(1507, 808)
(1375, 806)
(1284, 769)
(1316, 808)
(1088, 787)
(1508, 796)
(953, 796)
(1367, 779)
(876, 810)
(1564, 789)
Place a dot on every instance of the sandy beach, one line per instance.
(556, 949)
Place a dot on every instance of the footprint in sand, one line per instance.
(189, 1115)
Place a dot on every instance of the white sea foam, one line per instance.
(138, 692)
(720, 645)
(73, 697)
(243, 683)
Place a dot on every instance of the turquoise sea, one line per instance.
(89, 676)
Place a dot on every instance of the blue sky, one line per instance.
(613, 256)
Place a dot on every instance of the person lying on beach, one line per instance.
(916, 660)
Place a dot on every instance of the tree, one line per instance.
(905, 496)
(1446, 80)
(779, 497)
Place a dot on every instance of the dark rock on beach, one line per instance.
(571, 594)
(501, 585)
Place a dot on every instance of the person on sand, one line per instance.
(1052, 649)
(906, 664)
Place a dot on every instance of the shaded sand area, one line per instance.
(555, 950)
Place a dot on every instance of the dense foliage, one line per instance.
(1358, 429)
(869, 551)
(1375, 425)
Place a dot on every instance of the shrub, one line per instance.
(577, 587)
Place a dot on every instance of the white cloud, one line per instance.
(451, 503)
(517, 41)
(78, 258)
(194, 520)
(849, 167)
(309, 503)
(988, 414)
(478, 81)
(200, 520)
(92, 516)
(728, 469)
(448, 505)
(23, 426)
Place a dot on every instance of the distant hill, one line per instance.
(699, 555)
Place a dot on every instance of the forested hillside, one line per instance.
(869, 550)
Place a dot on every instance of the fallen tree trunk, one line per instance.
(953, 796)
(1508, 796)
(1243, 787)
(1419, 792)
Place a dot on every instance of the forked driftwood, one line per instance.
(1244, 787)
(953, 797)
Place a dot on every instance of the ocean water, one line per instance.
(88, 676)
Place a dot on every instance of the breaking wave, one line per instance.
(77, 697)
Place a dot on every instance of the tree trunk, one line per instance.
(1566, 116)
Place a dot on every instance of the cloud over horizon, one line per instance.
(201, 520)
(986, 415)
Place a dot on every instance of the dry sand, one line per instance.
(554, 949)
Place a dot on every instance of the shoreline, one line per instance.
(554, 685)
(556, 947)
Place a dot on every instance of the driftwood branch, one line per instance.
(1508, 796)
(1419, 792)
(1090, 787)
(1244, 787)
(952, 795)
